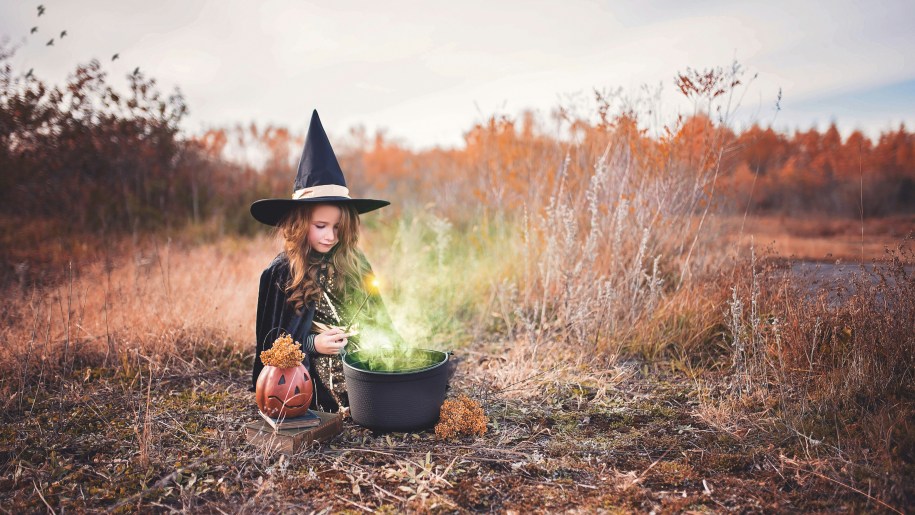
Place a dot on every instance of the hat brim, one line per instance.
(271, 211)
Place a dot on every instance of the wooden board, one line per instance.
(291, 441)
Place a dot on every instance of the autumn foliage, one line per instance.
(761, 170)
(809, 171)
(83, 163)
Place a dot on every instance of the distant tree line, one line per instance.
(812, 172)
(83, 156)
(84, 165)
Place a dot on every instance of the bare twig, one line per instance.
(38, 491)
(360, 506)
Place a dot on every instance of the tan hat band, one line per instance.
(323, 190)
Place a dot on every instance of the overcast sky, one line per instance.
(427, 71)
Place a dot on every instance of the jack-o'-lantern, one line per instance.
(283, 392)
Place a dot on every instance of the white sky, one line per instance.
(427, 71)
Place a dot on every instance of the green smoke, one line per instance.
(436, 276)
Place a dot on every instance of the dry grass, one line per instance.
(829, 361)
(142, 410)
(601, 343)
(639, 447)
(615, 267)
(162, 304)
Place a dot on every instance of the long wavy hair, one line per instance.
(305, 262)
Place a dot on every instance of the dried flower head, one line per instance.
(461, 416)
(284, 354)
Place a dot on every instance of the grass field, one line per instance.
(125, 387)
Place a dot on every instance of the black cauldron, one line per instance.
(402, 401)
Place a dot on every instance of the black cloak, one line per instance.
(276, 316)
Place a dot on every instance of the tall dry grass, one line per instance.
(831, 359)
(597, 265)
(169, 305)
(607, 255)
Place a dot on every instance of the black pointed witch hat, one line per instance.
(319, 179)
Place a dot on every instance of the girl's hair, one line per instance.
(305, 262)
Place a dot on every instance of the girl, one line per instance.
(314, 288)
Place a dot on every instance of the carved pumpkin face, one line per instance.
(283, 392)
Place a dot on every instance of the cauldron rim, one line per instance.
(382, 373)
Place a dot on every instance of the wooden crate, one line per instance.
(291, 441)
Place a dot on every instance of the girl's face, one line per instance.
(323, 227)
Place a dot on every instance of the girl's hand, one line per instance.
(331, 341)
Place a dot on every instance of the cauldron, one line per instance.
(407, 400)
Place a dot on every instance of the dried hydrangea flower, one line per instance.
(284, 354)
(461, 416)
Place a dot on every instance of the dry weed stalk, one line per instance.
(145, 435)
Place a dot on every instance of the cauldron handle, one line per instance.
(452, 367)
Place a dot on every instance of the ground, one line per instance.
(644, 444)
